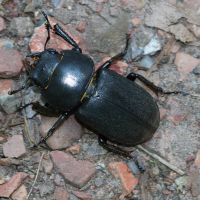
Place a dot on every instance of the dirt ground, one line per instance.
(163, 47)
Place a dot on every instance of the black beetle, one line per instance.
(117, 108)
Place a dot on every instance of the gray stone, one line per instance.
(76, 173)
(14, 147)
(196, 70)
(72, 197)
(30, 8)
(114, 12)
(95, 149)
(85, 146)
(62, 14)
(69, 132)
(32, 94)
(98, 182)
(153, 46)
(100, 33)
(7, 43)
(8, 103)
(147, 62)
(22, 25)
(137, 49)
(46, 188)
(133, 167)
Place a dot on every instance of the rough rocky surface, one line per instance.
(77, 173)
(14, 147)
(10, 63)
(69, 132)
(82, 169)
(8, 188)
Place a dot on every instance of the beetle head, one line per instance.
(41, 66)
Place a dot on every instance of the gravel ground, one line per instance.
(72, 165)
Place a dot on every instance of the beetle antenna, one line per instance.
(48, 27)
(23, 86)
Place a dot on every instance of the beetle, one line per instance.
(117, 108)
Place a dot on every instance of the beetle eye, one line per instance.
(36, 58)
(32, 65)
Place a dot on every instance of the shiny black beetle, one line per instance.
(117, 108)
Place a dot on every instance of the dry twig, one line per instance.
(36, 175)
(26, 123)
(177, 170)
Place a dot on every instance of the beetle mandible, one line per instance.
(117, 108)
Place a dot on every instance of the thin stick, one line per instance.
(36, 175)
(26, 123)
(172, 167)
(166, 50)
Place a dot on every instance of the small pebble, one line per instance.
(196, 70)
(133, 167)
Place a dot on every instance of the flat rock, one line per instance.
(136, 4)
(61, 194)
(76, 173)
(20, 193)
(119, 66)
(39, 37)
(46, 188)
(196, 187)
(10, 161)
(164, 17)
(14, 147)
(2, 24)
(7, 102)
(195, 29)
(10, 63)
(96, 149)
(121, 171)
(62, 14)
(197, 160)
(22, 25)
(136, 21)
(8, 188)
(81, 26)
(176, 47)
(185, 63)
(6, 43)
(47, 165)
(74, 149)
(67, 133)
(163, 113)
(81, 195)
(182, 33)
(57, 179)
(104, 33)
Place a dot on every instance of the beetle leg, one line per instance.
(48, 27)
(55, 126)
(133, 76)
(103, 142)
(36, 106)
(59, 31)
(117, 57)
(23, 86)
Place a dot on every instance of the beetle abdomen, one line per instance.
(120, 110)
